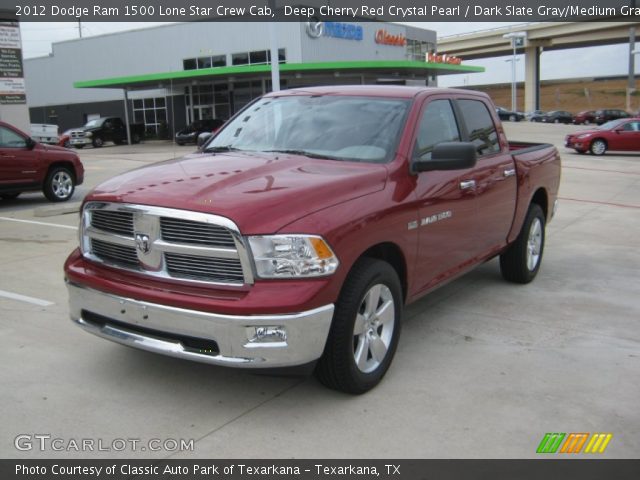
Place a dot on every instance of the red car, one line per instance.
(622, 134)
(26, 165)
(585, 117)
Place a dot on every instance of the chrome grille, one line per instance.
(113, 221)
(166, 243)
(204, 268)
(117, 254)
(196, 233)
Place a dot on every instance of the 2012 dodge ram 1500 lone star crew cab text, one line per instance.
(299, 232)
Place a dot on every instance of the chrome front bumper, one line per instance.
(260, 341)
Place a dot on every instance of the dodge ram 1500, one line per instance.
(299, 232)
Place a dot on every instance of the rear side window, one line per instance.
(437, 125)
(482, 131)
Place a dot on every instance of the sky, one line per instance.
(584, 62)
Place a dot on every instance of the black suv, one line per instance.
(603, 116)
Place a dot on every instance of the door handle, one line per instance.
(467, 184)
(510, 172)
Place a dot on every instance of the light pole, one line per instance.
(517, 40)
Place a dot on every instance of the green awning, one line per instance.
(383, 67)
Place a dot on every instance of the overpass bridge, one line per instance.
(537, 37)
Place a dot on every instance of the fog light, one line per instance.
(266, 335)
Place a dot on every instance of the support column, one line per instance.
(531, 78)
(127, 125)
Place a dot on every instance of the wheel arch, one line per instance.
(63, 163)
(392, 254)
(541, 198)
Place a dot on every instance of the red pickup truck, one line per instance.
(306, 224)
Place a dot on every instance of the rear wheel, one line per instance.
(135, 138)
(512, 118)
(521, 261)
(59, 185)
(598, 147)
(365, 329)
(556, 120)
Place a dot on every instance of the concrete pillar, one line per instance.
(531, 78)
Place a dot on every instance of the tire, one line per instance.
(512, 118)
(67, 144)
(10, 196)
(59, 184)
(135, 138)
(97, 142)
(586, 122)
(521, 261)
(556, 120)
(598, 147)
(369, 308)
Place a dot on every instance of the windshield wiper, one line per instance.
(305, 153)
(222, 148)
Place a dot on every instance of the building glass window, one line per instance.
(204, 62)
(219, 61)
(417, 50)
(152, 112)
(240, 59)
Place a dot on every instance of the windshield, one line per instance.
(611, 124)
(333, 127)
(94, 123)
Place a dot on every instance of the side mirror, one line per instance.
(448, 156)
(30, 143)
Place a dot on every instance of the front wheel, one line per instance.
(521, 261)
(598, 147)
(365, 329)
(59, 185)
(97, 142)
(512, 118)
(135, 138)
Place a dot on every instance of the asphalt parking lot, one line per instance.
(483, 370)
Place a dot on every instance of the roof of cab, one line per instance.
(395, 91)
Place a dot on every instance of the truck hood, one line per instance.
(260, 192)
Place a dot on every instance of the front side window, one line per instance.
(438, 124)
(10, 139)
(481, 129)
(349, 128)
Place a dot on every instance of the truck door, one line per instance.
(494, 177)
(446, 201)
(18, 163)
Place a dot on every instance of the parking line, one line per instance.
(24, 298)
(624, 205)
(9, 219)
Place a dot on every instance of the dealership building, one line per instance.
(171, 75)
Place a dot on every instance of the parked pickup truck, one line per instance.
(107, 129)
(307, 223)
(44, 133)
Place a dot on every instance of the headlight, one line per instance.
(292, 256)
(88, 134)
(584, 135)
